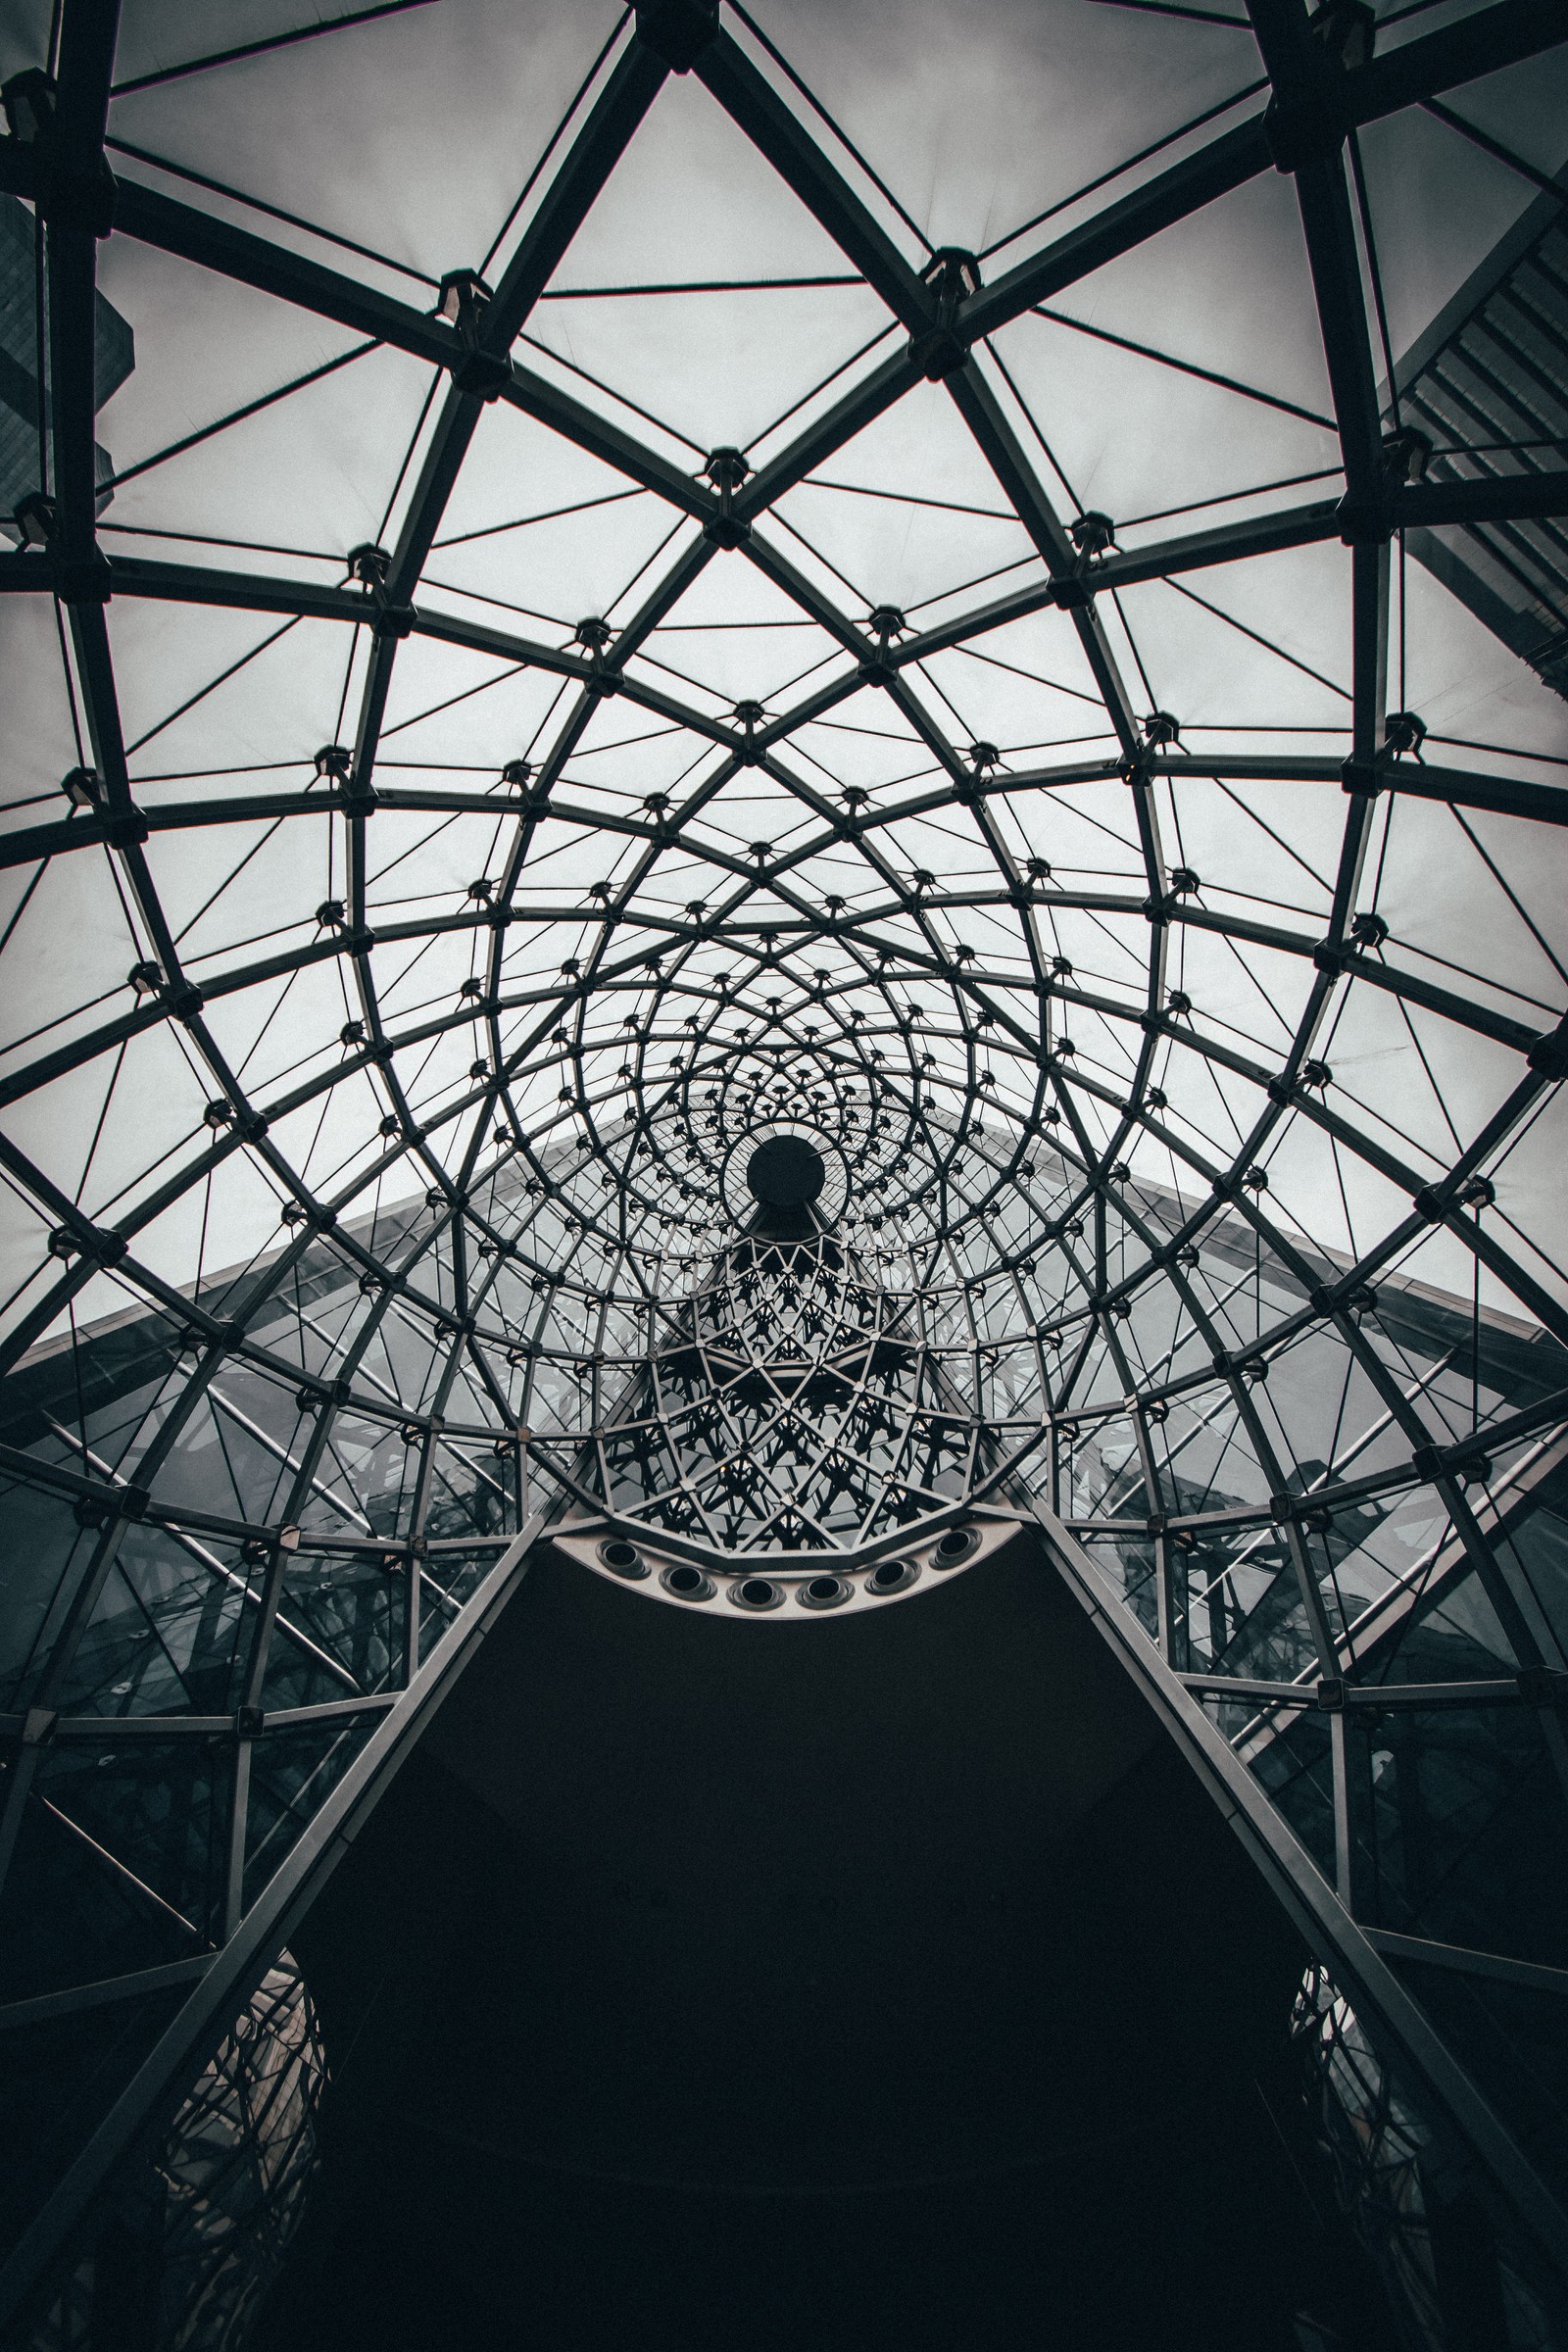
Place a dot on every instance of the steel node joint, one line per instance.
(73, 199)
(125, 1502)
(1365, 522)
(1305, 129)
(97, 1243)
(122, 829)
(83, 579)
(677, 31)
(483, 374)
(69, 195)
(950, 277)
(462, 303)
(937, 353)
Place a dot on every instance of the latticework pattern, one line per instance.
(648, 606)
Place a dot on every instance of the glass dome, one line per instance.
(606, 595)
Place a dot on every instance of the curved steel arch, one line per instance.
(537, 1261)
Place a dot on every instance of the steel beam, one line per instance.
(1493, 37)
(1399, 2027)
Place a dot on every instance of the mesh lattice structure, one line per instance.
(197, 2233)
(800, 1410)
(1402, 2189)
(1006, 744)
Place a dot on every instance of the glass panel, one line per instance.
(472, 831)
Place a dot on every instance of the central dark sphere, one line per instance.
(786, 1172)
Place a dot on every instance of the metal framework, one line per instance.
(360, 1230)
(1500, 349)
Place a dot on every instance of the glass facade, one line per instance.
(184, 2257)
(1490, 373)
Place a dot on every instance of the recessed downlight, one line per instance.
(955, 1545)
(891, 1576)
(687, 1582)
